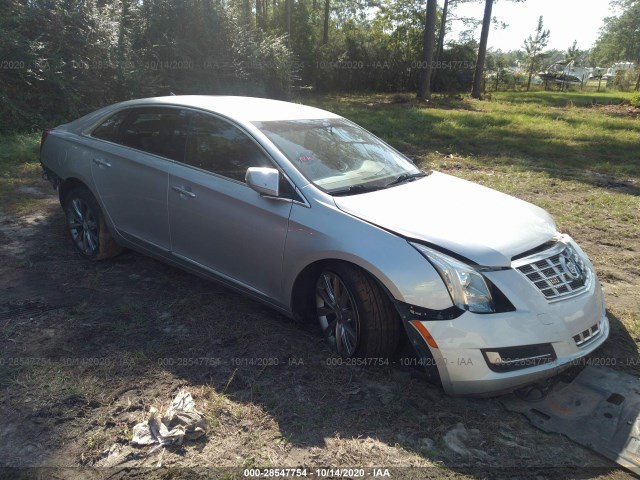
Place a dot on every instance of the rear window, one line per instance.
(108, 130)
(162, 131)
(158, 130)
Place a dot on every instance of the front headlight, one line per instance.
(466, 285)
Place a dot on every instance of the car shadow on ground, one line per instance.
(91, 346)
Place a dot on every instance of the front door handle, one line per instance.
(184, 191)
(101, 162)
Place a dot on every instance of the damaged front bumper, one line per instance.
(476, 354)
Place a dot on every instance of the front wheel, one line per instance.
(355, 314)
(87, 227)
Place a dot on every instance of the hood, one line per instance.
(481, 224)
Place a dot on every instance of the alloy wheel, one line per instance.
(337, 313)
(83, 226)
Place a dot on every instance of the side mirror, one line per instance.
(264, 180)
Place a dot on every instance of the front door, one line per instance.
(216, 220)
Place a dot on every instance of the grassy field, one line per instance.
(98, 344)
(533, 131)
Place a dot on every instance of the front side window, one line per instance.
(158, 130)
(337, 155)
(218, 146)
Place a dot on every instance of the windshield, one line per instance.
(337, 155)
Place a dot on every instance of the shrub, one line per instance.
(635, 100)
(401, 98)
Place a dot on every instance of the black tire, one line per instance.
(86, 226)
(355, 314)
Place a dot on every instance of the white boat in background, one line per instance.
(566, 72)
(616, 67)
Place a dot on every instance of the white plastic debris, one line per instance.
(180, 421)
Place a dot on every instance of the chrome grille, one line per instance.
(589, 334)
(559, 274)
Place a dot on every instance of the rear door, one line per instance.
(130, 170)
(216, 220)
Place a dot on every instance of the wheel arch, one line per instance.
(302, 293)
(69, 184)
(303, 308)
(111, 245)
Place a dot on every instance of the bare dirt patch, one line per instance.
(88, 348)
(624, 110)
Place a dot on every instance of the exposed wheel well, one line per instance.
(108, 247)
(303, 298)
(66, 186)
(302, 295)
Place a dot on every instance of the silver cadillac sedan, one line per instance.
(318, 218)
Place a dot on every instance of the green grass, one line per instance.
(18, 150)
(533, 131)
(19, 165)
(562, 99)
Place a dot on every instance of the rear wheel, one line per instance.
(87, 227)
(355, 314)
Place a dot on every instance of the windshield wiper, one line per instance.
(355, 189)
(406, 177)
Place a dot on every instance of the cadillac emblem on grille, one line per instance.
(570, 269)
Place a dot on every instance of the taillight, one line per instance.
(45, 134)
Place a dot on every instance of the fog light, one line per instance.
(494, 358)
(516, 358)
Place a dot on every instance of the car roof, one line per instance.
(246, 109)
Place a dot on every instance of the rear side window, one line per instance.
(161, 131)
(220, 147)
(108, 130)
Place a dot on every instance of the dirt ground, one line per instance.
(87, 348)
(616, 110)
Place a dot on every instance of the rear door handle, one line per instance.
(101, 162)
(184, 191)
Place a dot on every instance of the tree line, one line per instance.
(62, 58)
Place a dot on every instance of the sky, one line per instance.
(568, 20)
